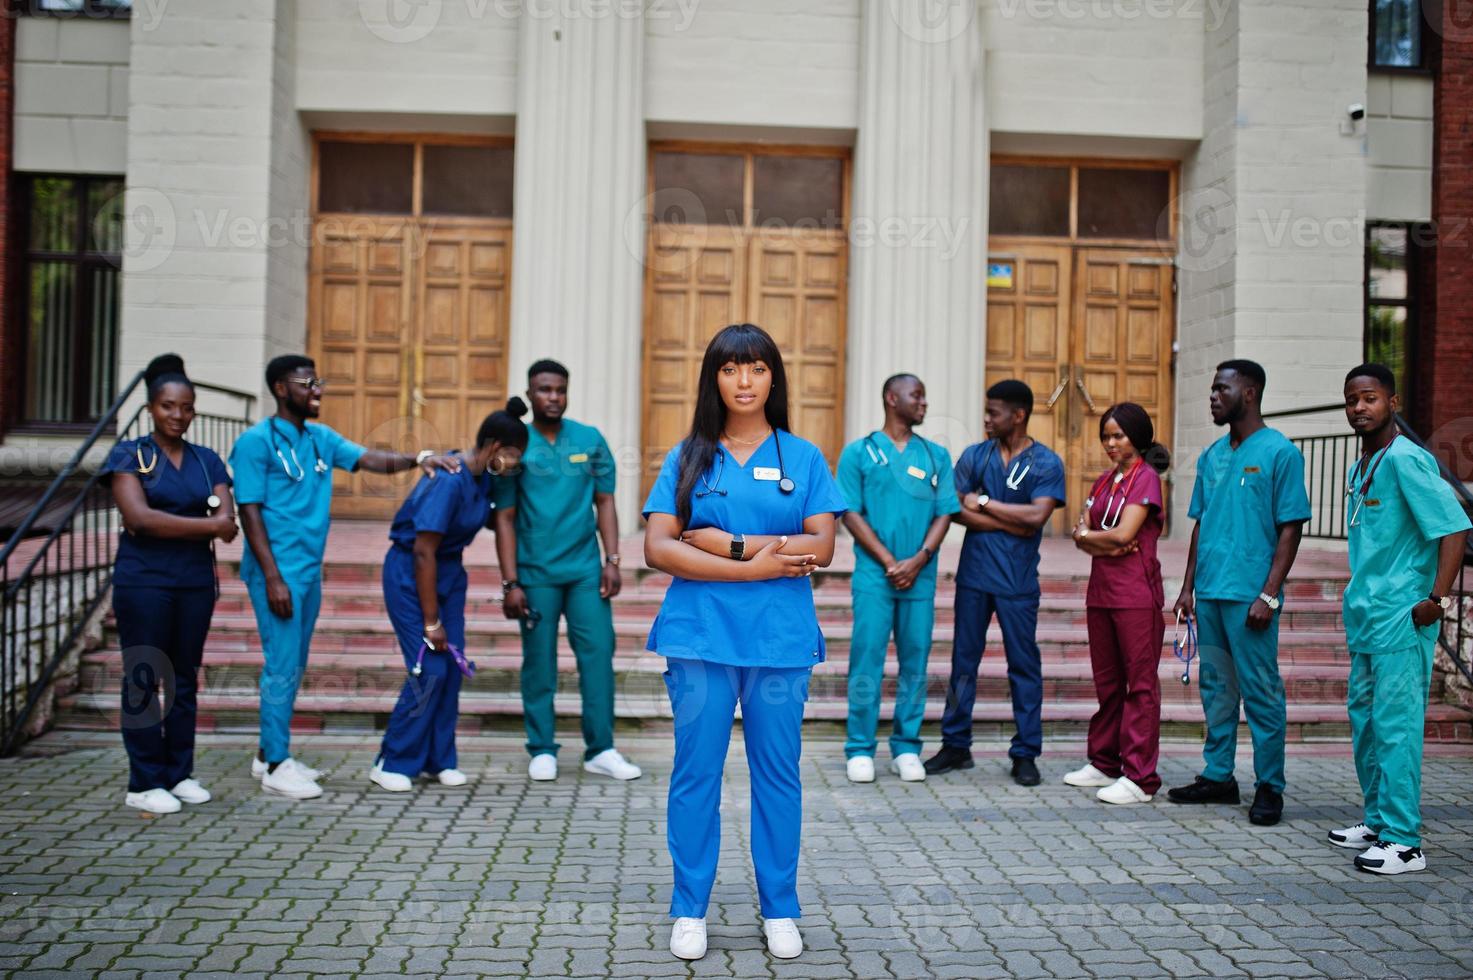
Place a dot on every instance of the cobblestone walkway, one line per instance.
(965, 875)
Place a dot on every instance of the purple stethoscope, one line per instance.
(1185, 646)
(467, 667)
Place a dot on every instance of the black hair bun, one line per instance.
(515, 407)
(162, 365)
(1158, 457)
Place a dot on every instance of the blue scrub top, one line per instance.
(893, 492)
(454, 505)
(289, 473)
(167, 563)
(747, 624)
(1240, 499)
(997, 562)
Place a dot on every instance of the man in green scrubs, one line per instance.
(549, 519)
(899, 490)
(1407, 534)
(1249, 503)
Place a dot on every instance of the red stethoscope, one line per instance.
(1118, 478)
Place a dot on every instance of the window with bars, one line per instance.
(1391, 303)
(73, 237)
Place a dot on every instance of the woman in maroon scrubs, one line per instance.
(1120, 525)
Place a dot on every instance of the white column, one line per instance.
(578, 245)
(917, 296)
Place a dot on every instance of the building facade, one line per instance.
(1102, 197)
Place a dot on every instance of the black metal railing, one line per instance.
(53, 579)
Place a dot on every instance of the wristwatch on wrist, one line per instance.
(1445, 601)
(1270, 600)
(738, 547)
(982, 501)
(508, 587)
(423, 455)
(612, 560)
(929, 553)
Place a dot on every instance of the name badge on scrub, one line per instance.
(578, 458)
(768, 474)
(916, 472)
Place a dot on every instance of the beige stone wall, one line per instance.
(71, 95)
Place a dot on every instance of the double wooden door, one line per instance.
(408, 324)
(1085, 328)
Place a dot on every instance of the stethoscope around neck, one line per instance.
(878, 457)
(1014, 477)
(784, 483)
(318, 467)
(212, 502)
(1115, 480)
(1358, 496)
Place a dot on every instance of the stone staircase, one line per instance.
(355, 670)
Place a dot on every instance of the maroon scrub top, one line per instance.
(1130, 581)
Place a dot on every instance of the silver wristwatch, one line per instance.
(1272, 601)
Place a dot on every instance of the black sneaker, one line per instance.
(1025, 772)
(1268, 807)
(1206, 790)
(950, 757)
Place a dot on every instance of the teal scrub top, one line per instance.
(1240, 499)
(289, 473)
(1405, 512)
(557, 527)
(899, 494)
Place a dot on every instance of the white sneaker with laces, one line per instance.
(190, 791)
(1358, 836)
(688, 938)
(154, 801)
(394, 782)
(1088, 776)
(1386, 858)
(259, 767)
(1123, 792)
(783, 939)
(860, 769)
(542, 767)
(610, 763)
(907, 765)
(452, 777)
(290, 781)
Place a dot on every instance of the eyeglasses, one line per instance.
(316, 384)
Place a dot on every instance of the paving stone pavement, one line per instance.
(965, 875)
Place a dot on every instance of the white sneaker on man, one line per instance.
(452, 777)
(783, 939)
(688, 938)
(610, 763)
(259, 767)
(394, 782)
(1123, 792)
(190, 791)
(291, 781)
(860, 769)
(1386, 858)
(154, 801)
(1088, 776)
(542, 767)
(1358, 836)
(907, 765)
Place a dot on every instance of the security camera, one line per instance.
(1356, 111)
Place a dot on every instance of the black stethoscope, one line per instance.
(1359, 496)
(212, 502)
(877, 455)
(319, 467)
(784, 482)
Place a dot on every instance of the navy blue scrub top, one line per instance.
(997, 562)
(454, 505)
(168, 563)
(771, 623)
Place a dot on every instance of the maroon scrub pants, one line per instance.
(1125, 653)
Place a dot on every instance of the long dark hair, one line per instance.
(1135, 422)
(743, 343)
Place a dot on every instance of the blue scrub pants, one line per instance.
(1240, 666)
(876, 616)
(284, 645)
(1018, 618)
(421, 732)
(704, 697)
(1387, 702)
(162, 632)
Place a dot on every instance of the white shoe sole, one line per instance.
(1084, 782)
(378, 780)
(291, 794)
(908, 779)
(148, 809)
(588, 767)
(860, 778)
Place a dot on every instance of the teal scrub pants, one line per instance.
(1240, 666)
(591, 633)
(875, 618)
(1387, 703)
(284, 644)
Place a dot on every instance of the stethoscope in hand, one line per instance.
(784, 483)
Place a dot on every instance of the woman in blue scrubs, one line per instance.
(742, 513)
(175, 500)
(424, 590)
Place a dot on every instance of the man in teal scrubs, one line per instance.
(1249, 503)
(549, 519)
(898, 488)
(1407, 534)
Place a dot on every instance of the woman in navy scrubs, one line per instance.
(424, 590)
(175, 500)
(742, 513)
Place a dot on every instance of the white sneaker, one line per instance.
(1088, 776)
(1358, 836)
(860, 769)
(907, 765)
(783, 938)
(258, 768)
(1123, 792)
(394, 782)
(610, 763)
(1385, 858)
(190, 791)
(688, 938)
(452, 777)
(291, 781)
(154, 801)
(542, 767)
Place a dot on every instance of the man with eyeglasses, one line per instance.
(283, 473)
